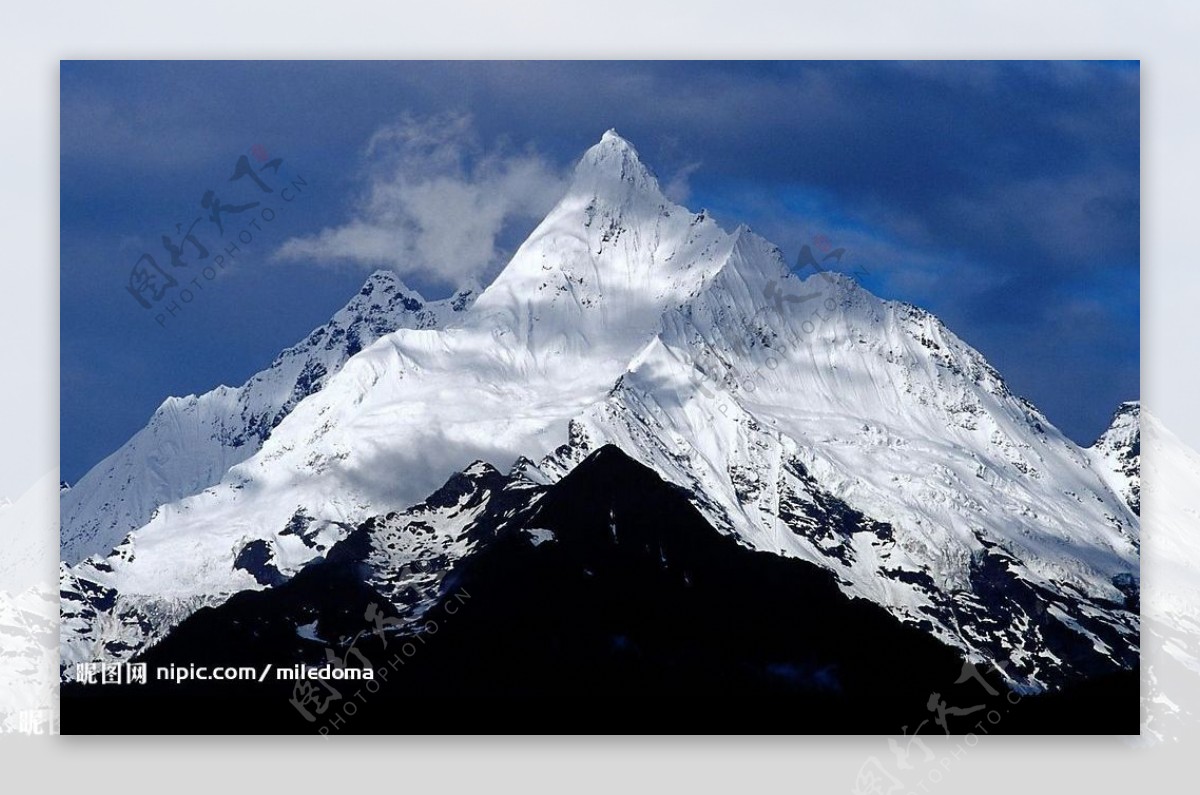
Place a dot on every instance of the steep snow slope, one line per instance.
(778, 403)
(896, 412)
(191, 442)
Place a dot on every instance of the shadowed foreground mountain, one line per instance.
(603, 603)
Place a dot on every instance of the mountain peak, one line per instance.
(1118, 454)
(385, 295)
(1125, 425)
(611, 135)
(612, 165)
(385, 280)
(383, 276)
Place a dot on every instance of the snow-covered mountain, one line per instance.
(805, 417)
(191, 442)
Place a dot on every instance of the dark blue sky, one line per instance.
(1002, 196)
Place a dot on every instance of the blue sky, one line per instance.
(1002, 196)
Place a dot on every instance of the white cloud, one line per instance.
(678, 188)
(435, 203)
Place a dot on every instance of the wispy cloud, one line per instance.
(678, 188)
(435, 203)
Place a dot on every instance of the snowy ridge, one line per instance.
(191, 442)
(807, 418)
